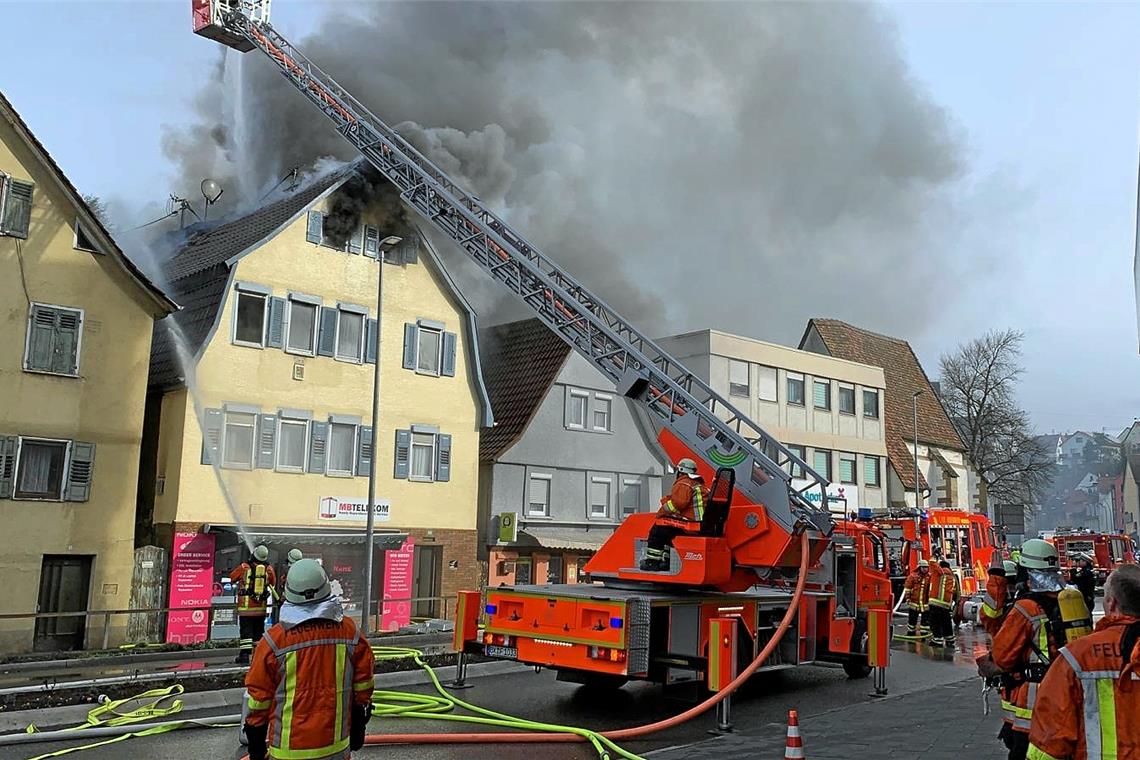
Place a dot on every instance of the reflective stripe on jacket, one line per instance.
(917, 589)
(942, 588)
(993, 604)
(686, 500)
(303, 682)
(255, 583)
(1013, 649)
(1085, 707)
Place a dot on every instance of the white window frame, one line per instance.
(340, 312)
(78, 343)
(775, 384)
(609, 483)
(351, 472)
(574, 393)
(626, 482)
(75, 244)
(431, 458)
(549, 479)
(734, 388)
(224, 444)
(312, 303)
(609, 400)
(238, 293)
(282, 421)
(19, 461)
(420, 329)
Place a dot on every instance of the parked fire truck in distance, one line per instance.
(1107, 550)
(966, 540)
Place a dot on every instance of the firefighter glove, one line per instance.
(256, 736)
(360, 716)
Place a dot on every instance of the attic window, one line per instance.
(82, 241)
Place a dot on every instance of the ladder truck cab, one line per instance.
(758, 529)
(1106, 550)
(966, 540)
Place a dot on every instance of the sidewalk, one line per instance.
(939, 723)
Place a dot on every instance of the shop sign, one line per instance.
(840, 496)
(351, 509)
(396, 606)
(508, 527)
(191, 585)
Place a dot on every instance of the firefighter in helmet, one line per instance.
(681, 512)
(916, 591)
(295, 556)
(309, 688)
(256, 580)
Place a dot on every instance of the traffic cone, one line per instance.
(794, 746)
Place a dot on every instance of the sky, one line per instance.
(1043, 96)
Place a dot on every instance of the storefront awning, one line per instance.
(563, 538)
(382, 539)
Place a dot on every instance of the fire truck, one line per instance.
(964, 539)
(761, 534)
(1107, 550)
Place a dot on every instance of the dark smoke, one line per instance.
(364, 189)
(732, 165)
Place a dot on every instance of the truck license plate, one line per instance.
(508, 653)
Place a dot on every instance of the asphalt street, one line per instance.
(760, 711)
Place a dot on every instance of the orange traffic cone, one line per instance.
(794, 746)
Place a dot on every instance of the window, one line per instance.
(602, 406)
(766, 383)
(40, 474)
(428, 348)
(821, 394)
(291, 444)
(522, 571)
(871, 471)
(342, 449)
(53, 341)
(237, 447)
(795, 389)
(15, 206)
(871, 404)
(821, 463)
(423, 456)
(82, 240)
(630, 496)
(796, 471)
(350, 336)
(302, 332)
(600, 497)
(576, 402)
(846, 399)
(538, 498)
(554, 569)
(737, 378)
(846, 468)
(249, 320)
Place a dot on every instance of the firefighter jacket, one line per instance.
(917, 590)
(307, 674)
(686, 500)
(1087, 709)
(993, 604)
(255, 582)
(943, 588)
(1022, 640)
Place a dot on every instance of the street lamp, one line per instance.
(386, 245)
(917, 493)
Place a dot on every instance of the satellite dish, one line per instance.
(211, 190)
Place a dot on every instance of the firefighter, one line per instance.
(255, 581)
(1028, 641)
(1088, 706)
(681, 512)
(942, 591)
(916, 591)
(294, 556)
(310, 684)
(1084, 579)
(996, 603)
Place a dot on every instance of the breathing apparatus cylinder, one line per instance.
(1075, 614)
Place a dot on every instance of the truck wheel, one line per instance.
(856, 667)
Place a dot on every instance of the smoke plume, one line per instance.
(732, 165)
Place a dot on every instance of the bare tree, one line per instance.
(99, 209)
(977, 387)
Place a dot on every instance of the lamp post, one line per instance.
(386, 245)
(917, 492)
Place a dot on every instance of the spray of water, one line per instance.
(189, 373)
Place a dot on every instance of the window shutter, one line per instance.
(410, 250)
(80, 472)
(315, 231)
(449, 344)
(41, 336)
(370, 341)
(355, 242)
(409, 345)
(364, 452)
(318, 443)
(403, 452)
(65, 358)
(275, 330)
(443, 458)
(17, 209)
(371, 241)
(326, 342)
(7, 465)
(267, 441)
(212, 436)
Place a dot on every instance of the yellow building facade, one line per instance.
(75, 340)
(281, 335)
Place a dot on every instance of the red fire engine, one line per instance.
(966, 540)
(1107, 550)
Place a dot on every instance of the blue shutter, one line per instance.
(41, 337)
(318, 443)
(266, 441)
(371, 241)
(449, 344)
(370, 335)
(443, 458)
(17, 209)
(326, 341)
(79, 472)
(410, 345)
(211, 436)
(65, 351)
(364, 452)
(315, 230)
(7, 465)
(275, 330)
(403, 452)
